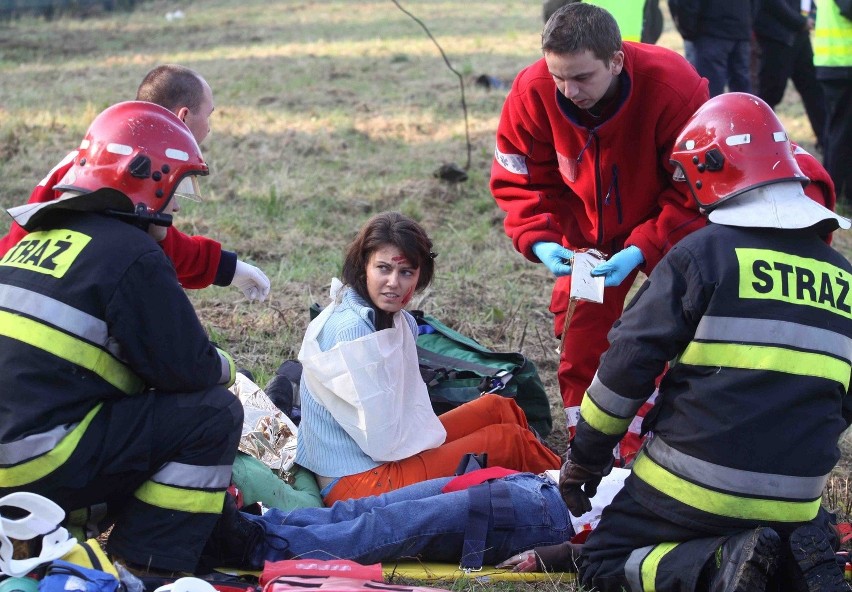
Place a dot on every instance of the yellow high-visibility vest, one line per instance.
(832, 37)
(627, 13)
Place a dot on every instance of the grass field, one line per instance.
(326, 112)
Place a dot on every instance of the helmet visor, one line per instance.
(188, 189)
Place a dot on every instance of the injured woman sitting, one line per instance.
(367, 423)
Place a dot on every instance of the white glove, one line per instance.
(252, 281)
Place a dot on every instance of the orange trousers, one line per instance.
(491, 424)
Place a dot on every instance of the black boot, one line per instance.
(745, 562)
(283, 389)
(234, 541)
(818, 569)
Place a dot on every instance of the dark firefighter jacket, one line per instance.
(759, 325)
(89, 310)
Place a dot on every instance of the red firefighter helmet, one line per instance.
(142, 151)
(733, 143)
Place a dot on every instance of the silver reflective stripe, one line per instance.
(722, 478)
(53, 312)
(183, 475)
(735, 330)
(612, 402)
(32, 446)
(225, 361)
(633, 568)
(113, 347)
(514, 163)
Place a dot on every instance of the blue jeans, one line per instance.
(417, 520)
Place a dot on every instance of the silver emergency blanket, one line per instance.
(268, 434)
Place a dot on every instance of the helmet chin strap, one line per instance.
(142, 217)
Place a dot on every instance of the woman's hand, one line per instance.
(522, 562)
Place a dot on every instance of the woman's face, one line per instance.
(391, 279)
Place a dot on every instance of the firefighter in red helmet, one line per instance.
(112, 392)
(199, 261)
(756, 312)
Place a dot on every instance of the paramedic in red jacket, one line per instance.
(198, 260)
(582, 162)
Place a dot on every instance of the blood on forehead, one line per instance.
(399, 259)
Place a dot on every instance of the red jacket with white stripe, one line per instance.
(621, 193)
(607, 186)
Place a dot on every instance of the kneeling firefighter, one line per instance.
(112, 392)
(755, 309)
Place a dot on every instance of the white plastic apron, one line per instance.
(372, 387)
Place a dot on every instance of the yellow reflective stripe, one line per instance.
(762, 357)
(35, 469)
(721, 504)
(232, 368)
(601, 420)
(181, 500)
(652, 563)
(833, 50)
(837, 32)
(71, 349)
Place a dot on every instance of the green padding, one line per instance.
(258, 483)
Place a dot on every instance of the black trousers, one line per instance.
(626, 526)
(837, 156)
(128, 441)
(724, 62)
(779, 63)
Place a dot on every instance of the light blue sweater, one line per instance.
(323, 446)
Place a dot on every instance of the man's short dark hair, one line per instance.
(578, 27)
(173, 87)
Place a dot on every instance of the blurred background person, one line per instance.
(833, 61)
(720, 32)
(782, 30)
(639, 20)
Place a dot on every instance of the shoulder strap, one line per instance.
(493, 380)
(436, 360)
(439, 327)
(487, 500)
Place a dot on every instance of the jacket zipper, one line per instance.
(599, 200)
(613, 188)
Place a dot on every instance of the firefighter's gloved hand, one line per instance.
(555, 257)
(619, 266)
(252, 281)
(579, 484)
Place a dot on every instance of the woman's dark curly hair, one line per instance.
(388, 228)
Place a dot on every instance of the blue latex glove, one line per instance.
(554, 256)
(619, 266)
